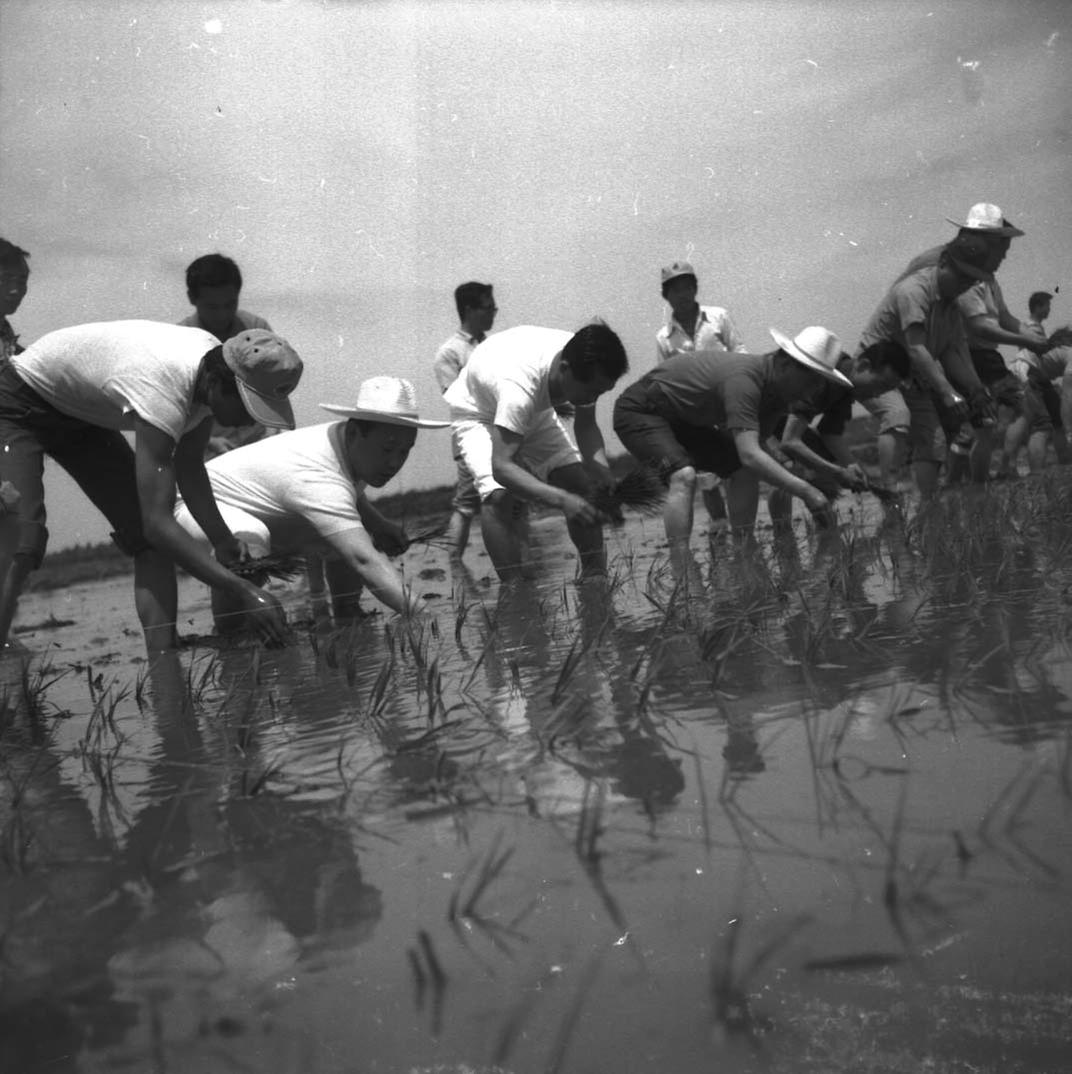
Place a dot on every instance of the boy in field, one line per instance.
(476, 307)
(213, 286)
(72, 393)
(304, 492)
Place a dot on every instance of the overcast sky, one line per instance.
(359, 160)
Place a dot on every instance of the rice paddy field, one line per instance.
(808, 812)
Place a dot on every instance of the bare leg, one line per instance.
(345, 586)
(18, 570)
(458, 533)
(926, 478)
(981, 453)
(677, 513)
(890, 456)
(742, 500)
(1036, 450)
(1015, 436)
(156, 599)
(587, 537)
(501, 527)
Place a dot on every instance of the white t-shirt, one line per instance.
(298, 484)
(107, 373)
(505, 381)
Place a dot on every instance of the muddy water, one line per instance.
(812, 814)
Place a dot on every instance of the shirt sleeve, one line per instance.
(731, 338)
(516, 407)
(912, 303)
(741, 396)
(446, 367)
(662, 347)
(835, 418)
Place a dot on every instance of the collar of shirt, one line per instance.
(672, 324)
(474, 340)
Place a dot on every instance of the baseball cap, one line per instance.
(267, 369)
(678, 268)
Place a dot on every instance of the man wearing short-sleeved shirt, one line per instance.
(714, 412)
(71, 395)
(305, 491)
(921, 313)
(512, 441)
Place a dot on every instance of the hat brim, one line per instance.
(1006, 231)
(678, 276)
(272, 412)
(385, 418)
(790, 348)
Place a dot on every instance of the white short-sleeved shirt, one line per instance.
(715, 331)
(107, 373)
(298, 484)
(505, 381)
(452, 357)
(243, 322)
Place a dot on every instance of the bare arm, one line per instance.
(794, 446)
(156, 458)
(516, 479)
(195, 488)
(1007, 331)
(926, 367)
(373, 568)
(768, 469)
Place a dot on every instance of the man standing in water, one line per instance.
(921, 313)
(71, 393)
(691, 328)
(503, 416)
(476, 307)
(304, 492)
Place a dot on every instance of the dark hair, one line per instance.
(214, 367)
(1038, 299)
(888, 354)
(211, 270)
(10, 254)
(683, 276)
(469, 294)
(595, 348)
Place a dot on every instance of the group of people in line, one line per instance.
(218, 473)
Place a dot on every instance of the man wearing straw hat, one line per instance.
(920, 312)
(714, 412)
(509, 436)
(304, 492)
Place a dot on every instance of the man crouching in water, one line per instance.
(304, 492)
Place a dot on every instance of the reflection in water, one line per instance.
(844, 756)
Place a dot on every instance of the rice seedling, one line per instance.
(641, 490)
(733, 976)
(428, 975)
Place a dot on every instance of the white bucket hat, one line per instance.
(817, 348)
(987, 218)
(391, 400)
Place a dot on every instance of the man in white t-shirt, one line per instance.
(502, 409)
(304, 491)
(72, 394)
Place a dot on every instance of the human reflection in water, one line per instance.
(237, 891)
(582, 706)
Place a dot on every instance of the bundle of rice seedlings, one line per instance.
(641, 489)
(283, 566)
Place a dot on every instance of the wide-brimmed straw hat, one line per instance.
(391, 400)
(987, 220)
(817, 348)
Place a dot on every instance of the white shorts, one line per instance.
(546, 447)
(242, 524)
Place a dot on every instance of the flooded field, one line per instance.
(811, 814)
